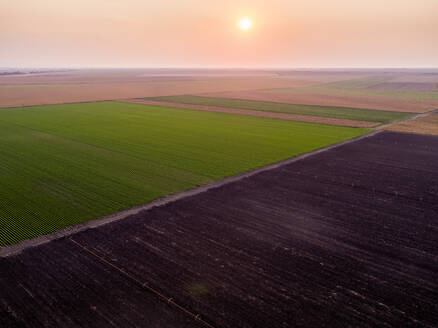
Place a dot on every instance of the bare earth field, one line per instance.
(97, 85)
(324, 76)
(423, 125)
(145, 75)
(14, 95)
(282, 116)
(343, 238)
(401, 91)
(397, 90)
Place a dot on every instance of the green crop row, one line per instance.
(62, 165)
(367, 115)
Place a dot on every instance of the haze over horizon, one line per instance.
(194, 34)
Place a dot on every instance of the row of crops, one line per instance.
(66, 164)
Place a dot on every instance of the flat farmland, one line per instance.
(14, 95)
(343, 238)
(402, 91)
(317, 111)
(98, 85)
(258, 113)
(65, 164)
(389, 92)
(422, 125)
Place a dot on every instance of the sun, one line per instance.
(244, 24)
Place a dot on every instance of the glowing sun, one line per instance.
(244, 24)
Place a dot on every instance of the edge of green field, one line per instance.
(61, 165)
(356, 114)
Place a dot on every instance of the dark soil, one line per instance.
(344, 238)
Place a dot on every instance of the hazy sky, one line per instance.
(203, 33)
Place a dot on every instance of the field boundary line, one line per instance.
(6, 251)
(144, 285)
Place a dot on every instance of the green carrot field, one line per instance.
(61, 165)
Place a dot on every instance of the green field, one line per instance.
(61, 165)
(357, 114)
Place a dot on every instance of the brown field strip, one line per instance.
(325, 76)
(52, 92)
(317, 99)
(294, 78)
(423, 125)
(265, 85)
(282, 116)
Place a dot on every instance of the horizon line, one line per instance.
(216, 67)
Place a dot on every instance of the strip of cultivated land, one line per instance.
(76, 87)
(381, 92)
(259, 113)
(107, 84)
(65, 164)
(342, 113)
(346, 237)
(424, 125)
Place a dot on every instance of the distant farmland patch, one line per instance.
(26, 90)
(311, 110)
(423, 125)
(406, 86)
(366, 93)
(61, 165)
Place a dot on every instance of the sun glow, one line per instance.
(244, 24)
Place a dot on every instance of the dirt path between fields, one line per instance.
(258, 113)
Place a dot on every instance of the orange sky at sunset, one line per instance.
(194, 33)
